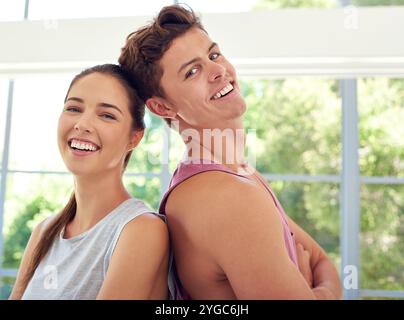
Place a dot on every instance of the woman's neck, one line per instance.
(96, 197)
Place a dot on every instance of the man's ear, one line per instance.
(160, 107)
(135, 138)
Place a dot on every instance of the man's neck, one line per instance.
(225, 146)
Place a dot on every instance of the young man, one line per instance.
(230, 235)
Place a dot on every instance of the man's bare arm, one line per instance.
(326, 281)
(240, 228)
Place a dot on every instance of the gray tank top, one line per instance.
(75, 268)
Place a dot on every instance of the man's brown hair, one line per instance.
(145, 47)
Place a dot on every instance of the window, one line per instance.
(3, 113)
(144, 188)
(369, 3)
(381, 161)
(30, 198)
(297, 122)
(147, 157)
(6, 286)
(382, 237)
(381, 110)
(177, 150)
(37, 104)
(315, 207)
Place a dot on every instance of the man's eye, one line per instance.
(191, 72)
(214, 56)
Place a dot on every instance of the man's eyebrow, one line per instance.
(214, 44)
(101, 105)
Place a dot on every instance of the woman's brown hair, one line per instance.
(137, 110)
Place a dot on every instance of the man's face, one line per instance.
(200, 84)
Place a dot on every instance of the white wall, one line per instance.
(337, 42)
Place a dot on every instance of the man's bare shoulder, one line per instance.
(215, 201)
(207, 188)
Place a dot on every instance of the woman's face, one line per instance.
(95, 127)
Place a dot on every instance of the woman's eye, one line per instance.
(191, 72)
(214, 56)
(72, 109)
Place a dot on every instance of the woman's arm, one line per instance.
(19, 287)
(139, 264)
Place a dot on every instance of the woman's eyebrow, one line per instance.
(101, 105)
(75, 99)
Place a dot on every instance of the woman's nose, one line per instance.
(83, 124)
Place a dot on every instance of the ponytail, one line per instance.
(48, 236)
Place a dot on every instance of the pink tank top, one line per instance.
(186, 170)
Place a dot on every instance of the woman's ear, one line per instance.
(135, 138)
(160, 107)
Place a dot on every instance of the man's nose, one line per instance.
(217, 71)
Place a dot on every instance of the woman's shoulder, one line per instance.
(147, 220)
(134, 205)
(136, 208)
(147, 223)
(148, 230)
(139, 221)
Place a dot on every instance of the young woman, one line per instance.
(104, 244)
